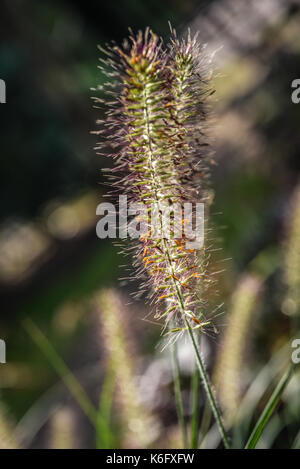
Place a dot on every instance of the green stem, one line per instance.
(201, 366)
(195, 410)
(178, 395)
(105, 438)
(207, 387)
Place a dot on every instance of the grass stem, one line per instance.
(208, 388)
(178, 395)
(195, 409)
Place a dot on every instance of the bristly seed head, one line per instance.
(155, 126)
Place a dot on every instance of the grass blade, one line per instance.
(296, 443)
(62, 370)
(268, 410)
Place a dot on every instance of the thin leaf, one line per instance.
(63, 371)
(254, 394)
(269, 408)
(296, 443)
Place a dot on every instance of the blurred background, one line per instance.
(60, 295)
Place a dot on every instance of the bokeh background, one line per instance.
(60, 295)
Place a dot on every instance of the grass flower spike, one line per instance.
(140, 428)
(157, 122)
(155, 125)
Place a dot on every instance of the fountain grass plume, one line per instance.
(141, 428)
(155, 124)
(231, 356)
(291, 304)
